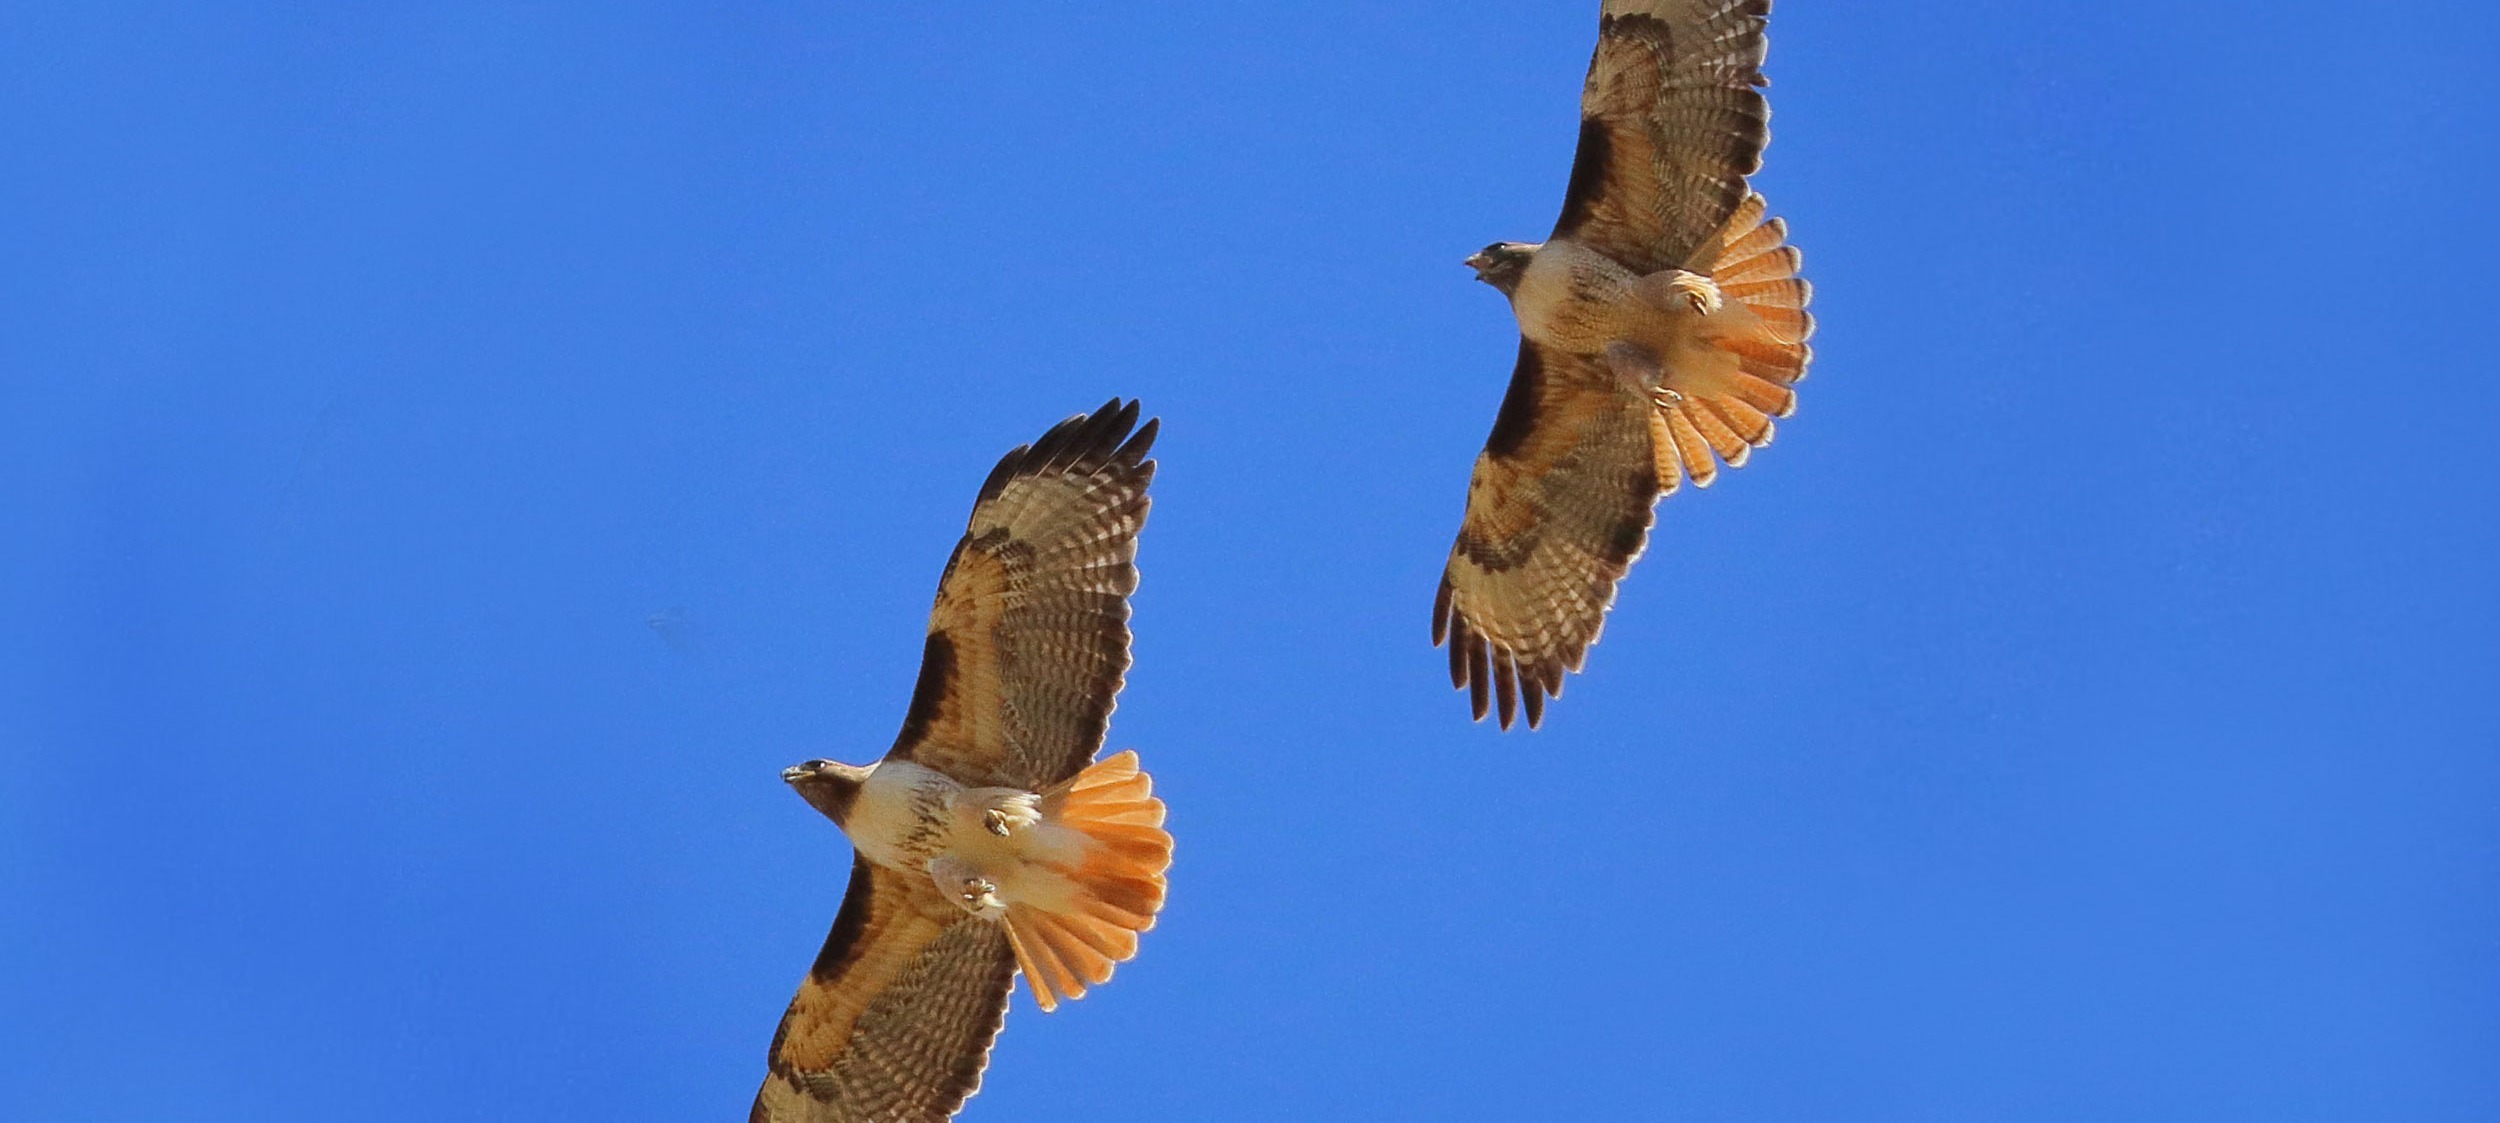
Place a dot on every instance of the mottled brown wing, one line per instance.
(1029, 641)
(894, 1022)
(1672, 120)
(1557, 509)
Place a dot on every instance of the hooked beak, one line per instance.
(798, 772)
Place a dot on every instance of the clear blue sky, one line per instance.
(455, 455)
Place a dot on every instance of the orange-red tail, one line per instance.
(1117, 879)
(1731, 413)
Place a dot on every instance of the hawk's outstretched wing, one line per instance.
(1558, 507)
(894, 1022)
(1672, 120)
(1029, 640)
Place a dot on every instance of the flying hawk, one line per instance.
(1661, 325)
(988, 839)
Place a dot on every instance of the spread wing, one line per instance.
(1557, 509)
(1672, 120)
(894, 1022)
(1029, 640)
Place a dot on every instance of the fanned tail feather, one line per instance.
(1758, 269)
(1118, 882)
(1755, 268)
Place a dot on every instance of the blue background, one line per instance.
(454, 455)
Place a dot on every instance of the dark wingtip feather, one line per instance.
(1076, 439)
(1497, 681)
(1099, 437)
(1109, 424)
(1076, 435)
(1142, 442)
(1005, 471)
(1479, 675)
(1441, 611)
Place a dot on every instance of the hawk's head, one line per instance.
(1501, 263)
(828, 786)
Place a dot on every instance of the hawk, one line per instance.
(988, 840)
(1662, 326)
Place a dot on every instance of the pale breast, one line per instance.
(900, 819)
(1572, 298)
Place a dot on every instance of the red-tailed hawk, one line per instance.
(1661, 326)
(988, 840)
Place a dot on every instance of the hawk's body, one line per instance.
(988, 839)
(1674, 323)
(908, 817)
(1661, 328)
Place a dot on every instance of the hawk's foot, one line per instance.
(1675, 290)
(979, 894)
(967, 887)
(1003, 811)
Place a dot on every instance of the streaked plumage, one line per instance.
(1662, 326)
(988, 839)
